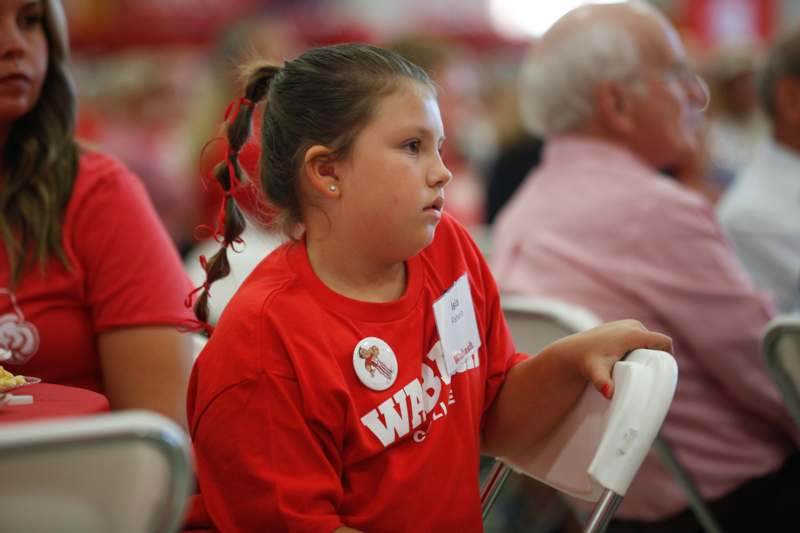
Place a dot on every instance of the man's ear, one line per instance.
(787, 100)
(613, 107)
(319, 171)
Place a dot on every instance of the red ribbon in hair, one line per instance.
(193, 326)
(188, 302)
(236, 104)
(218, 232)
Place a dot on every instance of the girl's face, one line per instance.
(23, 58)
(392, 181)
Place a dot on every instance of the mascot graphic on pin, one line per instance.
(373, 363)
(19, 339)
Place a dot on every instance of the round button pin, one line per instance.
(375, 363)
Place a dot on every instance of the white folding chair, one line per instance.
(596, 450)
(126, 472)
(781, 346)
(536, 322)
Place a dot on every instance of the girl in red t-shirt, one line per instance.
(325, 399)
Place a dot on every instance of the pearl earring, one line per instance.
(332, 188)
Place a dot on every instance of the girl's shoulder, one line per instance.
(270, 288)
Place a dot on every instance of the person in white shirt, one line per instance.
(761, 211)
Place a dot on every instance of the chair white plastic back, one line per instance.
(125, 472)
(599, 446)
(781, 348)
(536, 322)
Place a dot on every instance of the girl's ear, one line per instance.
(320, 171)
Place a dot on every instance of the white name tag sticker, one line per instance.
(455, 320)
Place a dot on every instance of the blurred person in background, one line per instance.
(761, 211)
(599, 226)
(137, 107)
(518, 151)
(80, 303)
(736, 123)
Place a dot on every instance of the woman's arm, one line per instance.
(147, 368)
(538, 392)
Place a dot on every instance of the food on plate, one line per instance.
(7, 379)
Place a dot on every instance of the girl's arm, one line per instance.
(539, 391)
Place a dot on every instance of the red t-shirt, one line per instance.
(287, 437)
(124, 271)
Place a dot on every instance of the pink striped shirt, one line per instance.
(595, 226)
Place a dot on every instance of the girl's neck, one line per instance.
(355, 274)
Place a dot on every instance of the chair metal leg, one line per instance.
(603, 512)
(491, 486)
(696, 501)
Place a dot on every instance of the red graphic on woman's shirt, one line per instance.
(19, 339)
(373, 363)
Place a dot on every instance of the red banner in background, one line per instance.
(729, 22)
(107, 24)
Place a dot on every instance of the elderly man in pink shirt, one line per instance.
(597, 225)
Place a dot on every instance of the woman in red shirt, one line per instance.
(91, 288)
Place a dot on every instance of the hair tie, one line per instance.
(189, 301)
(208, 329)
(232, 244)
(235, 106)
(194, 326)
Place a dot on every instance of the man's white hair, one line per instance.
(556, 84)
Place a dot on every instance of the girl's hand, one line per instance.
(595, 351)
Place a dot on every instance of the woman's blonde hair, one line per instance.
(41, 160)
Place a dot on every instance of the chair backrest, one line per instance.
(600, 444)
(781, 347)
(126, 472)
(536, 322)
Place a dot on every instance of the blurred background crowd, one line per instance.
(156, 76)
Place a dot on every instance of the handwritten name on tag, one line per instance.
(456, 323)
